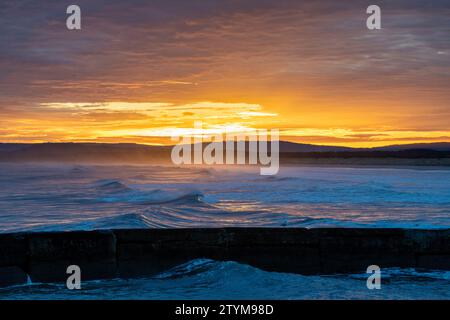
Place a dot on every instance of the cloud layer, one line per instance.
(304, 66)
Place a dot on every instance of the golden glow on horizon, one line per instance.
(155, 123)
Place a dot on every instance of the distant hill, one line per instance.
(96, 152)
(286, 146)
(12, 146)
(438, 146)
(126, 152)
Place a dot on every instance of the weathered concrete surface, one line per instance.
(353, 250)
(51, 253)
(142, 252)
(314, 251)
(431, 248)
(10, 276)
(13, 259)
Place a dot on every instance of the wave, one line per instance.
(115, 191)
(278, 179)
(79, 169)
(123, 221)
(190, 268)
(188, 198)
(199, 266)
(154, 197)
(227, 280)
(112, 186)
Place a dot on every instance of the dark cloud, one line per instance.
(323, 41)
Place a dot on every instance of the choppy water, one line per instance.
(36, 198)
(69, 197)
(207, 279)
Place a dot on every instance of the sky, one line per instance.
(142, 71)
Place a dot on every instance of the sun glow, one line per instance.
(156, 122)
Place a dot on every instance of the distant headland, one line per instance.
(432, 154)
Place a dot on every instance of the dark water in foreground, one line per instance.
(207, 279)
(65, 197)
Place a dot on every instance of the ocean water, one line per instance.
(85, 197)
(65, 197)
(212, 280)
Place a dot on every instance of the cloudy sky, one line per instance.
(139, 71)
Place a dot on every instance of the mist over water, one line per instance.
(48, 197)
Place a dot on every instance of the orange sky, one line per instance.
(139, 73)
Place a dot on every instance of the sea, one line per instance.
(65, 197)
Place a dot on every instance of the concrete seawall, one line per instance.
(44, 257)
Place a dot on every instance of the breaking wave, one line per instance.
(223, 280)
